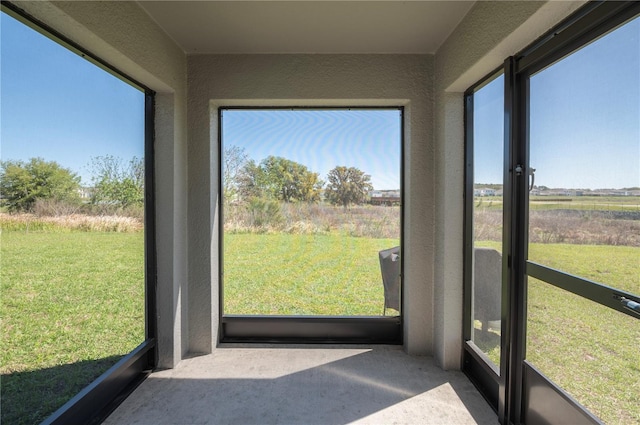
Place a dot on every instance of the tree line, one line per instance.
(281, 179)
(115, 183)
(120, 184)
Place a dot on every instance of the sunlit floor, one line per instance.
(305, 385)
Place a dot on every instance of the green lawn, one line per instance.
(72, 303)
(283, 274)
(589, 350)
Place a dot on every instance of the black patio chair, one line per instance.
(390, 268)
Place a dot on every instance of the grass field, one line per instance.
(282, 274)
(589, 350)
(72, 304)
(582, 203)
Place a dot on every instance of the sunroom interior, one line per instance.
(425, 57)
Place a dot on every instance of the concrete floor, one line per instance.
(305, 385)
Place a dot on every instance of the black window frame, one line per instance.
(309, 329)
(591, 22)
(98, 399)
(474, 361)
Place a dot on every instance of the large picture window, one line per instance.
(77, 228)
(311, 212)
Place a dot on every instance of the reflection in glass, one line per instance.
(488, 147)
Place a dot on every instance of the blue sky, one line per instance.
(488, 132)
(585, 118)
(322, 139)
(585, 115)
(58, 106)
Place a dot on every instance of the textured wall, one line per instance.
(123, 35)
(332, 80)
(491, 32)
(120, 33)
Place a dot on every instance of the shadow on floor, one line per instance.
(300, 385)
(30, 397)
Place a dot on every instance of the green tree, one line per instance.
(289, 181)
(22, 183)
(280, 179)
(251, 181)
(310, 187)
(347, 186)
(117, 183)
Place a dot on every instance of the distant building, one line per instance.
(85, 192)
(484, 192)
(384, 197)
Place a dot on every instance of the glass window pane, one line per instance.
(72, 219)
(311, 207)
(488, 148)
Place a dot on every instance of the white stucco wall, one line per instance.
(490, 33)
(123, 35)
(307, 80)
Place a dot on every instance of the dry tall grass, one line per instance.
(567, 226)
(55, 208)
(585, 227)
(78, 222)
(546, 226)
(302, 218)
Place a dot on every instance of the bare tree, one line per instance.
(234, 159)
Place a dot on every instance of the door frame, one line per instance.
(521, 393)
(475, 362)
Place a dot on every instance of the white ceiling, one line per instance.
(308, 26)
